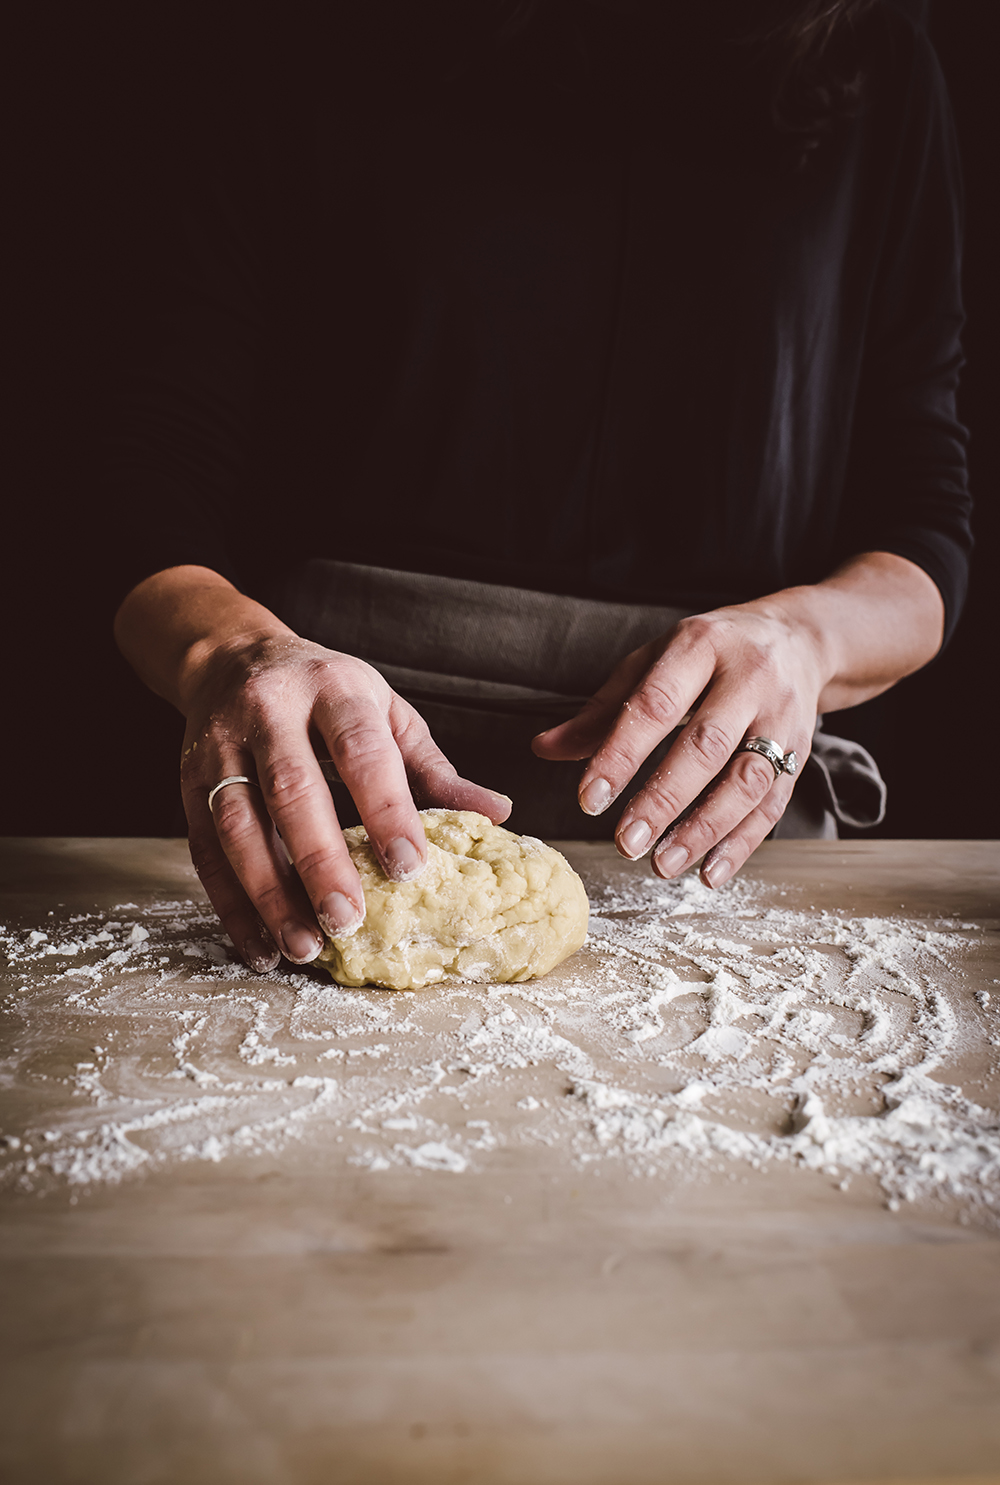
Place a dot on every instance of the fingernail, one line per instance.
(339, 916)
(670, 861)
(717, 871)
(595, 799)
(260, 953)
(504, 804)
(635, 838)
(402, 859)
(300, 943)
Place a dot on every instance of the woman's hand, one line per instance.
(263, 703)
(761, 678)
(760, 669)
(266, 710)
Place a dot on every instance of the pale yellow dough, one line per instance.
(489, 906)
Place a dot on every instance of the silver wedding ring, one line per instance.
(768, 748)
(235, 778)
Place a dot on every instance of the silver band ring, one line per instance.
(235, 778)
(768, 748)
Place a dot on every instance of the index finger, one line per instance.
(658, 704)
(367, 756)
(697, 757)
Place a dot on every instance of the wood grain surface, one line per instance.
(291, 1318)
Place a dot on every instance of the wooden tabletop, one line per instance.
(295, 1293)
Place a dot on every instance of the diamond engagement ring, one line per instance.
(236, 778)
(768, 748)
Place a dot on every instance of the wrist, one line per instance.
(226, 652)
(805, 614)
(873, 621)
(180, 625)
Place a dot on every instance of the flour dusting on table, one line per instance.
(695, 1032)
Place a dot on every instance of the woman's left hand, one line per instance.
(760, 678)
(758, 669)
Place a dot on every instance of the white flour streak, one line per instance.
(696, 1031)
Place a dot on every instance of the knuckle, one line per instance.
(212, 870)
(349, 685)
(271, 900)
(694, 626)
(260, 689)
(359, 742)
(616, 762)
(753, 776)
(659, 801)
(705, 825)
(286, 782)
(655, 705)
(758, 652)
(322, 862)
(705, 629)
(711, 742)
(410, 730)
(366, 679)
(781, 697)
(234, 819)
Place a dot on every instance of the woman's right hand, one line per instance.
(273, 860)
(261, 702)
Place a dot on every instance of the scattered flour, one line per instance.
(695, 1031)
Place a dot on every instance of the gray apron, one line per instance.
(489, 666)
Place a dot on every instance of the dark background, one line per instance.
(86, 750)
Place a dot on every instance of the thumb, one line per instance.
(583, 734)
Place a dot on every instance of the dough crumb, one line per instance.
(489, 907)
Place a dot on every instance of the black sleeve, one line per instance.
(181, 408)
(907, 488)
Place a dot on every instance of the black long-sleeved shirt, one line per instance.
(556, 313)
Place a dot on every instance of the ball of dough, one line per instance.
(489, 906)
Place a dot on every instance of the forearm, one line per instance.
(872, 622)
(171, 622)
